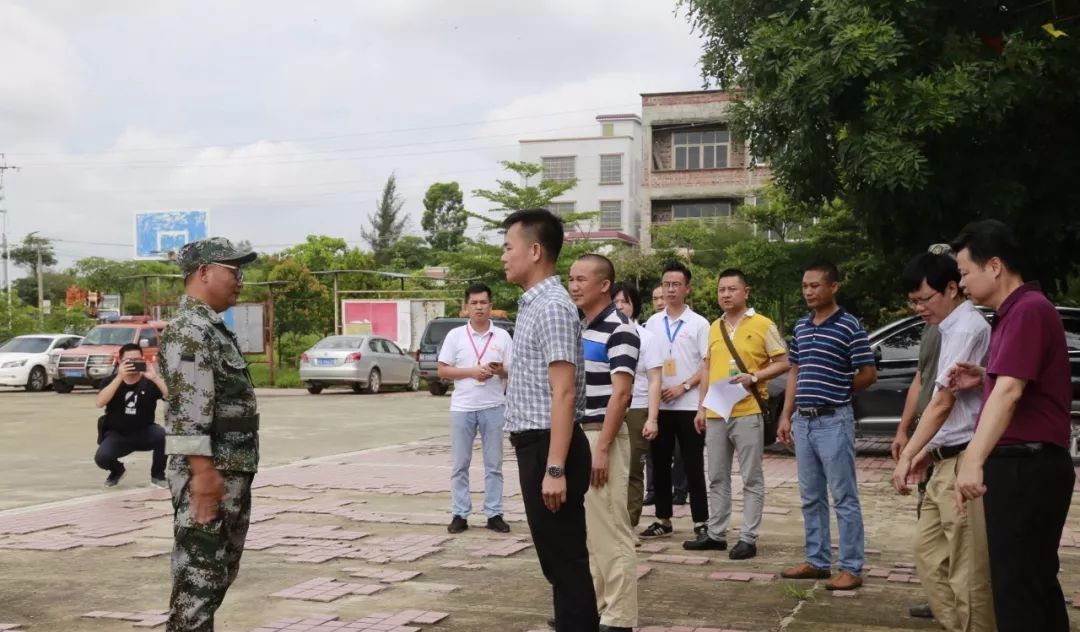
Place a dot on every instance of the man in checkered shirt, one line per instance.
(545, 399)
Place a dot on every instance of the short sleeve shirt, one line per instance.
(464, 347)
(649, 358)
(684, 343)
(757, 341)
(548, 330)
(132, 407)
(828, 355)
(965, 337)
(611, 345)
(1028, 343)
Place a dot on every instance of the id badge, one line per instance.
(669, 367)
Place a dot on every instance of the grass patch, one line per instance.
(284, 376)
(796, 593)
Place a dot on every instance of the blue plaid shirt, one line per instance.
(548, 329)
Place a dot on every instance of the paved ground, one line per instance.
(351, 507)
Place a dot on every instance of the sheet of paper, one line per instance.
(722, 397)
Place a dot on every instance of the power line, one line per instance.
(330, 137)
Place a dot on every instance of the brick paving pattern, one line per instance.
(379, 622)
(148, 619)
(326, 589)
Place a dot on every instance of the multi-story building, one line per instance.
(608, 172)
(691, 167)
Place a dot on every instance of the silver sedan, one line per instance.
(365, 363)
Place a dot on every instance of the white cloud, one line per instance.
(286, 119)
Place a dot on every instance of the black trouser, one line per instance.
(1027, 500)
(678, 473)
(120, 444)
(559, 537)
(678, 426)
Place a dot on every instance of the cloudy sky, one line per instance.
(284, 119)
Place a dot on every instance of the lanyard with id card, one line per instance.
(669, 363)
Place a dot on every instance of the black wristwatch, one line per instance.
(555, 471)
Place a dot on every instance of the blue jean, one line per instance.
(463, 428)
(825, 452)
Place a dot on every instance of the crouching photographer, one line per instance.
(130, 402)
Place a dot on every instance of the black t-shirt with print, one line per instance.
(132, 407)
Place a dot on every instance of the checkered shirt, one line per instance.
(548, 329)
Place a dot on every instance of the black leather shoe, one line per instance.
(551, 623)
(457, 525)
(678, 499)
(650, 499)
(921, 611)
(705, 544)
(496, 523)
(743, 551)
(608, 628)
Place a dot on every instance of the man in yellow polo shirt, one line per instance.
(761, 357)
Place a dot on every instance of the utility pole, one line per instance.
(40, 286)
(4, 166)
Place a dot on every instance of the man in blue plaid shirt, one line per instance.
(545, 399)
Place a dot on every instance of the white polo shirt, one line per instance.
(463, 347)
(684, 343)
(648, 358)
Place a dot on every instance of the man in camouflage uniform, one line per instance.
(212, 423)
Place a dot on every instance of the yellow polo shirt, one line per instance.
(757, 340)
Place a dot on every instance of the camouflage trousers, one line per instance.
(205, 557)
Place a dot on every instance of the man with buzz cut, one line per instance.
(611, 345)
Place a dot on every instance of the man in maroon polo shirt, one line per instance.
(1019, 457)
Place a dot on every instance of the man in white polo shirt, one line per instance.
(684, 343)
(476, 356)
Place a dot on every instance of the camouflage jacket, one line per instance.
(208, 378)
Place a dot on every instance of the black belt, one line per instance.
(947, 452)
(526, 437)
(1025, 449)
(222, 425)
(817, 411)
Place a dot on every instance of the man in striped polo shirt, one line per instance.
(832, 359)
(611, 344)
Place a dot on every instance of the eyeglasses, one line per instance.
(919, 302)
(672, 285)
(237, 271)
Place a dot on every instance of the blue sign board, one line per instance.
(157, 233)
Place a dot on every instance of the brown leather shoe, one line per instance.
(844, 581)
(805, 571)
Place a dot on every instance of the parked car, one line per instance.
(896, 349)
(97, 357)
(24, 360)
(431, 342)
(361, 362)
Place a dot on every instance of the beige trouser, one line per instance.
(951, 555)
(612, 558)
(639, 447)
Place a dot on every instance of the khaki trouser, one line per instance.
(639, 448)
(612, 558)
(951, 555)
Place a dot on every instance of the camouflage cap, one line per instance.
(211, 250)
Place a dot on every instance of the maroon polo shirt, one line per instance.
(1028, 343)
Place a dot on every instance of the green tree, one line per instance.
(26, 254)
(387, 223)
(920, 115)
(410, 253)
(445, 217)
(511, 196)
(302, 304)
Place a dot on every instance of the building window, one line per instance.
(701, 150)
(611, 169)
(561, 209)
(700, 211)
(607, 129)
(559, 169)
(611, 215)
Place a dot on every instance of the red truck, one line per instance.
(96, 358)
